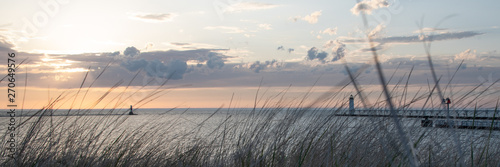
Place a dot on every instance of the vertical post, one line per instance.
(351, 104)
(131, 111)
(448, 101)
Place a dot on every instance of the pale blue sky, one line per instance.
(105, 26)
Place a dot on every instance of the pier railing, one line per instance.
(431, 113)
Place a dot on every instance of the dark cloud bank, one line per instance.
(169, 64)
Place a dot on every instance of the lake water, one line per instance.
(187, 126)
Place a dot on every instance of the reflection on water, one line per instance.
(204, 120)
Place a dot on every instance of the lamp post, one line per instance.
(447, 101)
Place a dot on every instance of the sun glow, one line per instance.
(72, 70)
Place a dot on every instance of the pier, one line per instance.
(440, 118)
(461, 119)
(436, 114)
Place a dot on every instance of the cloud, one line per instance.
(248, 6)
(311, 53)
(329, 44)
(163, 64)
(378, 47)
(176, 69)
(173, 70)
(134, 65)
(329, 31)
(265, 26)
(377, 37)
(321, 55)
(282, 48)
(226, 29)
(190, 46)
(154, 17)
(171, 64)
(131, 52)
(258, 66)
(311, 18)
(338, 51)
(377, 31)
(184, 55)
(410, 61)
(368, 5)
(215, 61)
(212, 58)
(112, 54)
(427, 29)
(93, 59)
(491, 57)
(314, 53)
(6, 44)
(179, 43)
(466, 55)
(148, 46)
(418, 38)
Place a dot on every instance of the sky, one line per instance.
(218, 53)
